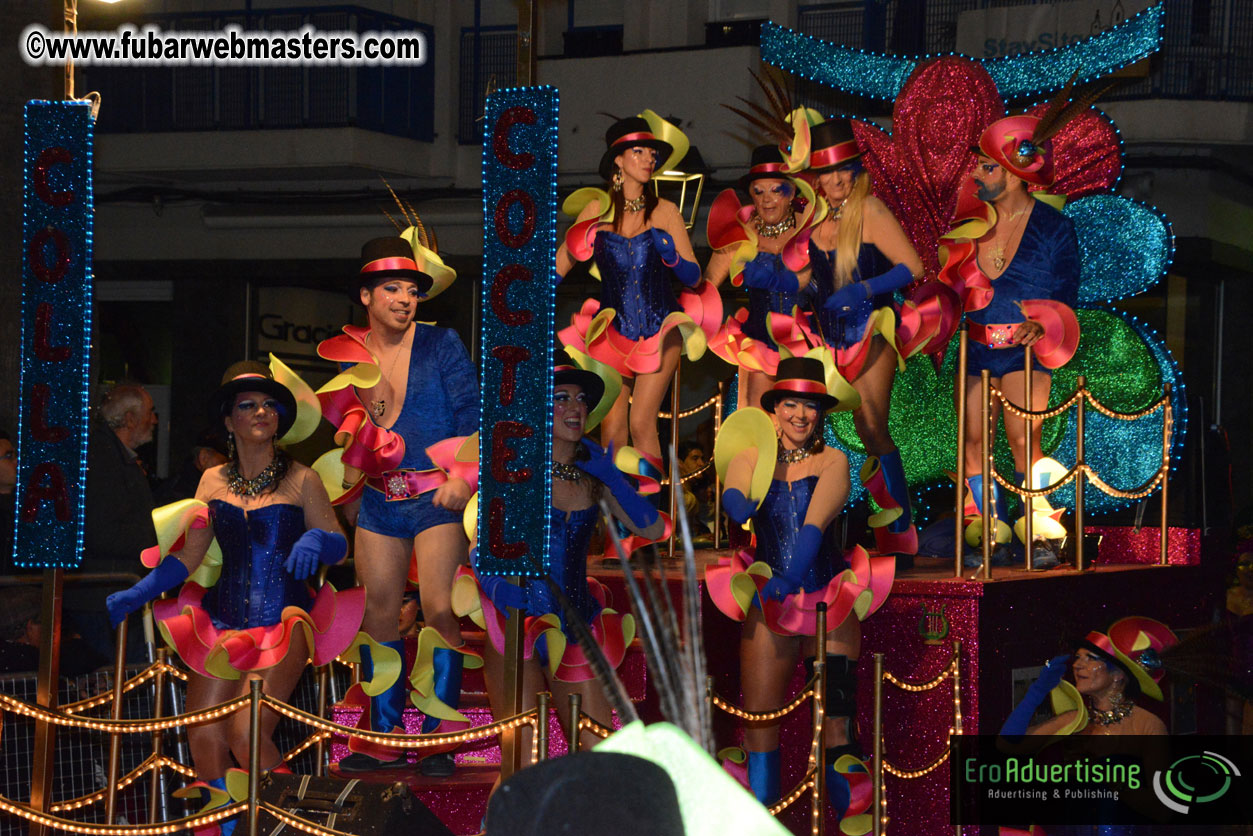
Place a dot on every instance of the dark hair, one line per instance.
(687, 446)
(618, 201)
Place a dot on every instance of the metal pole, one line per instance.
(722, 391)
(877, 802)
(543, 701)
(510, 750)
(819, 758)
(961, 452)
(576, 709)
(319, 752)
(528, 20)
(254, 754)
(957, 712)
(676, 485)
(1081, 460)
(1168, 421)
(115, 741)
(985, 453)
(1028, 503)
(46, 692)
(156, 789)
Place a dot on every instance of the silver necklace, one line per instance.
(635, 205)
(774, 230)
(566, 472)
(378, 407)
(786, 456)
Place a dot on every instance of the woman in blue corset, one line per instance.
(858, 256)
(582, 475)
(260, 527)
(763, 246)
(782, 480)
(639, 244)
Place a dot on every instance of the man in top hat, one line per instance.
(1018, 281)
(426, 392)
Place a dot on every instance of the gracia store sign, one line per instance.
(1097, 779)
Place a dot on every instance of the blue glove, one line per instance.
(782, 584)
(637, 508)
(687, 271)
(738, 507)
(498, 589)
(855, 292)
(764, 277)
(1016, 725)
(168, 575)
(315, 547)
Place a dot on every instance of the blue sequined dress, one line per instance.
(778, 522)
(842, 330)
(254, 587)
(750, 338)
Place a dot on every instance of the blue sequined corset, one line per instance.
(762, 302)
(846, 329)
(633, 282)
(779, 520)
(254, 587)
(568, 565)
(1045, 266)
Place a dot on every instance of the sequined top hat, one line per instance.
(591, 384)
(390, 258)
(765, 162)
(1133, 644)
(251, 376)
(801, 377)
(632, 132)
(831, 144)
(1014, 143)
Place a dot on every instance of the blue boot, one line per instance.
(448, 665)
(763, 776)
(226, 827)
(387, 714)
(1003, 534)
(898, 537)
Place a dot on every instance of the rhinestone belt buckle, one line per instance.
(395, 485)
(1000, 336)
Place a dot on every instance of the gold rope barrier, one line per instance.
(191, 822)
(736, 711)
(131, 726)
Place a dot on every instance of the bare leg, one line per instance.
(613, 428)
(844, 640)
(382, 566)
(974, 424)
(594, 705)
(650, 391)
(1014, 387)
(767, 661)
(752, 386)
(440, 549)
(278, 682)
(210, 749)
(874, 384)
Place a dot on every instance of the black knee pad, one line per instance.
(841, 696)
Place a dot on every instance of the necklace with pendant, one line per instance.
(998, 254)
(1121, 710)
(258, 484)
(566, 472)
(378, 407)
(774, 230)
(634, 205)
(786, 456)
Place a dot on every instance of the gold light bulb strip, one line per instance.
(687, 413)
(806, 784)
(416, 741)
(106, 697)
(133, 726)
(92, 798)
(311, 740)
(1041, 414)
(69, 825)
(916, 687)
(907, 775)
(1135, 493)
(588, 724)
(736, 711)
(298, 823)
(1124, 416)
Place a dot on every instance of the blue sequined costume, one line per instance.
(778, 521)
(634, 282)
(254, 586)
(1046, 266)
(845, 329)
(762, 302)
(441, 401)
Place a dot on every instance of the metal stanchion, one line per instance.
(576, 709)
(156, 796)
(877, 802)
(985, 456)
(542, 702)
(957, 715)
(1028, 503)
(510, 750)
(960, 523)
(319, 752)
(722, 393)
(115, 740)
(676, 487)
(819, 758)
(46, 693)
(254, 755)
(1168, 420)
(1081, 459)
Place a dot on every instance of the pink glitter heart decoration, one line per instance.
(1087, 156)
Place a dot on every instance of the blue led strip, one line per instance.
(54, 401)
(517, 325)
(882, 76)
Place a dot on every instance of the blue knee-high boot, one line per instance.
(763, 776)
(226, 826)
(448, 665)
(894, 478)
(387, 714)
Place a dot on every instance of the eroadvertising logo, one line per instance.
(1093, 779)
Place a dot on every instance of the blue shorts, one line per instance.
(404, 518)
(998, 361)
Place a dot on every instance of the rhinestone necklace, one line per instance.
(635, 205)
(566, 472)
(263, 481)
(774, 230)
(801, 453)
(1122, 710)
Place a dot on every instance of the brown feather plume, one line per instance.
(1062, 109)
(775, 120)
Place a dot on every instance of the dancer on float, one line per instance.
(780, 476)
(582, 474)
(764, 246)
(406, 411)
(859, 256)
(1015, 265)
(259, 527)
(638, 242)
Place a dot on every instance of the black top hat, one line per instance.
(765, 162)
(800, 377)
(590, 382)
(251, 376)
(632, 132)
(389, 258)
(831, 144)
